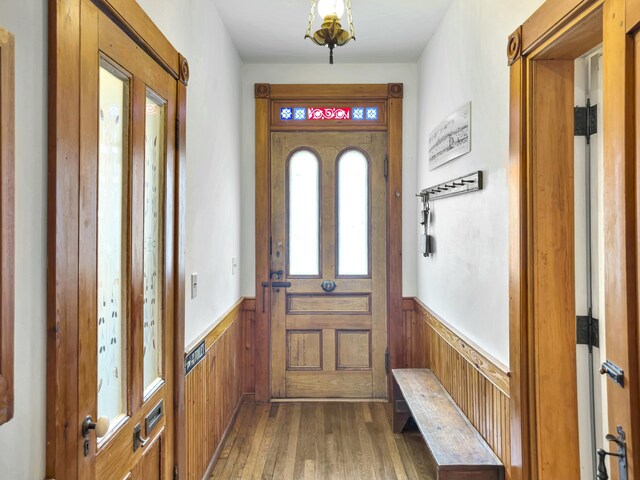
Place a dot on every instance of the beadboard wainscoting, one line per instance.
(478, 383)
(216, 385)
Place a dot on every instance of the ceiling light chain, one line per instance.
(331, 33)
(350, 19)
(311, 18)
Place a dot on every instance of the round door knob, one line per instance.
(328, 286)
(101, 427)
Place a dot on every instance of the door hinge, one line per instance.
(270, 246)
(587, 331)
(585, 121)
(175, 472)
(386, 361)
(386, 167)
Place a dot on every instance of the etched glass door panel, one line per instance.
(353, 214)
(154, 155)
(112, 312)
(304, 214)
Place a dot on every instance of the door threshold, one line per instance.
(329, 400)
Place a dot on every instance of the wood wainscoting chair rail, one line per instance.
(7, 227)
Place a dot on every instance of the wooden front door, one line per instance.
(328, 265)
(126, 240)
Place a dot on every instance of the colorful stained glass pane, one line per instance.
(300, 113)
(372, 113)
(286, 113)
(329, 113)
(357, 113)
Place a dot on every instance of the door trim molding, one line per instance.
(63, 419)
(265, 95)
(541, 52)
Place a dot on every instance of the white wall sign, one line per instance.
(451, 138)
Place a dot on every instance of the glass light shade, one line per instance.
(331, 7)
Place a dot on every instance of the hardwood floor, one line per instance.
(331, 440)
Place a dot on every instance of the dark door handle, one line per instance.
(276, 284)
(328, 285)
(138, 441)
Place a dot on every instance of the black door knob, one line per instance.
(328, 285)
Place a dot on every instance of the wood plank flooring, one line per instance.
(329, 440)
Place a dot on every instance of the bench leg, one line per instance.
(400, 412)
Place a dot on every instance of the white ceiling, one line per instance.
(387, 31)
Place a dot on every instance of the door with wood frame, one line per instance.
(543, 404)
(328, 265)
(126, 239)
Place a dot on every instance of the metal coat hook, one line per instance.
(457, 186)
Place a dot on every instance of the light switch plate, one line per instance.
(194, 285)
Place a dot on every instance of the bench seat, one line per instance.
(458, 450)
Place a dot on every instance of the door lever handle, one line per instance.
(621, 443)
(276, 284)
(138, 441)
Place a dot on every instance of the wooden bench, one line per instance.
(458, 450)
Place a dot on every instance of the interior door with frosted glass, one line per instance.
(328, 279)
(128, 140)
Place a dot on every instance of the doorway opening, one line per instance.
(589, 259)
(556, 431)
(328, 278)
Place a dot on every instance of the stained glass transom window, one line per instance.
(371, 114)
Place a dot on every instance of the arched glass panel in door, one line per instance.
(303, 223)
(352, 180)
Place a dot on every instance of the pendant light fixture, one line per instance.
(331, 33)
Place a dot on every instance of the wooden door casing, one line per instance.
(327, 345)
(541, 54)
(75, 49)
(267, 96)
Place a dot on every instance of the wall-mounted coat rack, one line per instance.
(457, 186)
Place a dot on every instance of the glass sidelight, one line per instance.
(112, 281)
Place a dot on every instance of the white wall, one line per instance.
(22, 440)
(466, 281)
(213, 155)
(324, 73)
